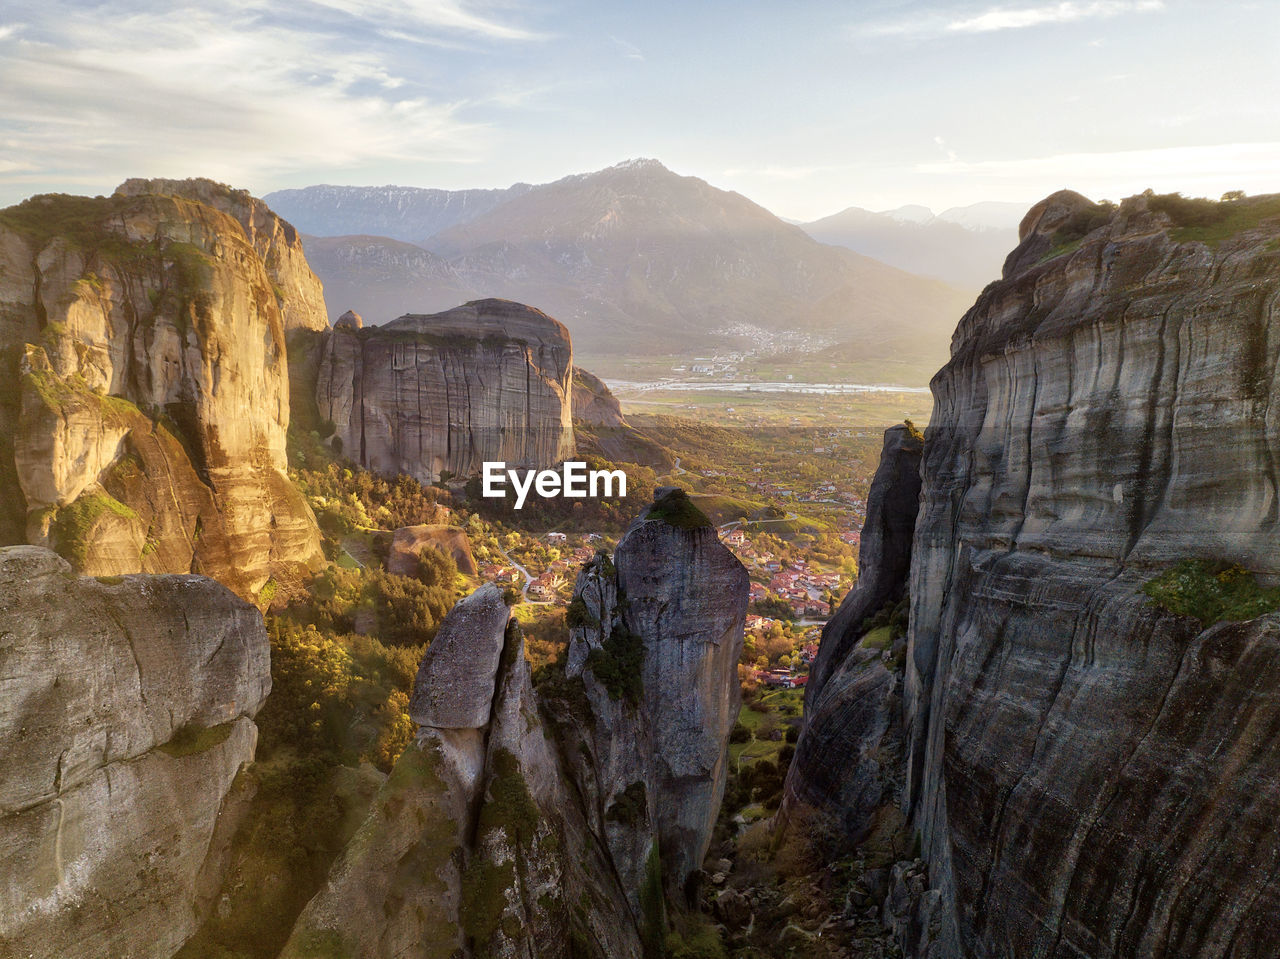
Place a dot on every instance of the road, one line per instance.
(524, 593)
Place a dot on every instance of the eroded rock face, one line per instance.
(426, 395)
(297, 289)
(593, 401)
(675, 599)
(144, 427)
(126, 712)
(1094, 776)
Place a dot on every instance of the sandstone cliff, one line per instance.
(428, 395)
(297, 289)
(593, 402)
(1091, 773)
(126, 712)
(554, 822)
(143, 428)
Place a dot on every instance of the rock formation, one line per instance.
(408, 543)
(1091, 773)
(126, 712)
(430, 395)
(656, 636)
(593, 403)
(555, 822)
(849, 764)
(278, 244)
(143, 428)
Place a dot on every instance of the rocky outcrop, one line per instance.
(1090, 772)
(656, 636)
(298, 291)
(442, 394)
(477, 844)
(144, 425)
(126, 712)
(556, 822)
(593, 402)
(849, 763)
(408, 543)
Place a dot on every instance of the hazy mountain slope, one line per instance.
(951, 251)
(383, 278)
(400, 212)
(637, 258)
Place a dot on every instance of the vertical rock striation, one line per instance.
(656, 638)
(143, 428)
(126, 712)
(1094, 775)
(428, 395)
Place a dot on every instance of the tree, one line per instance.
(1232, 196)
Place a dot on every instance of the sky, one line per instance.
(805, 107)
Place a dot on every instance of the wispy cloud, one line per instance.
(628, 50)
(1019, 18)
(250, 90)
(942, 23)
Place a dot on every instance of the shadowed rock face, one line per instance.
(849, 762)
(143, 427)
(278, 244)
(676, 597)
(424, 395)
(1094, 776)
(126, 712)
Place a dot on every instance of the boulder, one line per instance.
(126, 713)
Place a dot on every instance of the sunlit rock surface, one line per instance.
(126, 712)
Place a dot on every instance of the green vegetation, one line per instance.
(694, 938)
(74, 522)
(577, 616)
(1071, 234)
(653, 911)
(484, 886)
(1211, 592)
(879, 639)
(677, 509)
(340, 699)
(616, 664)
(630, 806)
(1200, 220)
(194, 738)
(509, 811)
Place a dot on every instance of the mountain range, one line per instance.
(965, 246)
(632, 259)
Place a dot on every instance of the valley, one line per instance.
(854, 669)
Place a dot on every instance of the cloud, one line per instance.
(1019, 18)
(939, 23)
(629, 50)
(247, 91)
